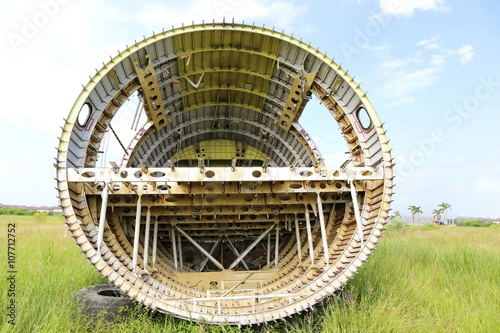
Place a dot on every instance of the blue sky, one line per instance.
(429, 67)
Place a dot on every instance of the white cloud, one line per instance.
(382, 47)
(406, 82)
(438, 60)
(408, 76)
(408, 7)
(432, 46)
(466, 54)
(56, 58)
(46, 65)
(59, 48)
(158, 14)
(393, 65)
(428, 41)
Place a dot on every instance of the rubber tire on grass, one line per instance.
(103, 302)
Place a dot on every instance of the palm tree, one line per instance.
(414, 210)
(395, 215)
(446, 207)
(437, 213)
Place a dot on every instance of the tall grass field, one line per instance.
(419, 279)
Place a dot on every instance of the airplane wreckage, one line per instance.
(222, 209)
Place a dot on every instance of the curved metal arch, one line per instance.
(277, 133)
(282, 84)
(161, 160)
(358, 231)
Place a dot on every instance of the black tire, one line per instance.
(103, 301)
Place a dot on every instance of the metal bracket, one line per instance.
(152, 95)
(297, 100)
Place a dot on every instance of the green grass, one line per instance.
(420, 279)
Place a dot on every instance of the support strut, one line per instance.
(136, 233)
(102, 218)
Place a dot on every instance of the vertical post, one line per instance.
(155, 241)
(102, 218)
(309, 235)
(180, 250)
(174, 247)
(269, 250)
(136, 233)
(146, 238)
(276, 249)
(323, 230)
(355, 204)
(297, 235)
(222, 253)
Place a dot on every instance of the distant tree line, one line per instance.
(20, 211)
(474, 223)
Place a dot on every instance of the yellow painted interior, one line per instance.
(243, 80)
(220, 150)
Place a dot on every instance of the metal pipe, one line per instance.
(137, 116)
(248, 249)
(268, 250)
(146, 238)
(136, 233)
(202, 250)
(174, 247)
(323, 231)
(355, 204)
(235, 250)
(276, 248)
(180, 250)
(155, 241)
(102, 218)
(297, 235)
(309, 235)
(238, 284)
(204, 262)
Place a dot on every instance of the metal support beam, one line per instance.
(235, 250)
(137, 115)
(323, 231)
(153, 104)
(179, 248)
(276, 247)
(136, 233)
(268, 250)
(174, 247)
(204, 262)
(309, 234)
(249, 248)
(199, 247)
(238, 284)
(296, 100)
(297, 235)
(355, 204)
(246, 174)
(102, 218)
(155, 242)
(146, 239)
(314, 209)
